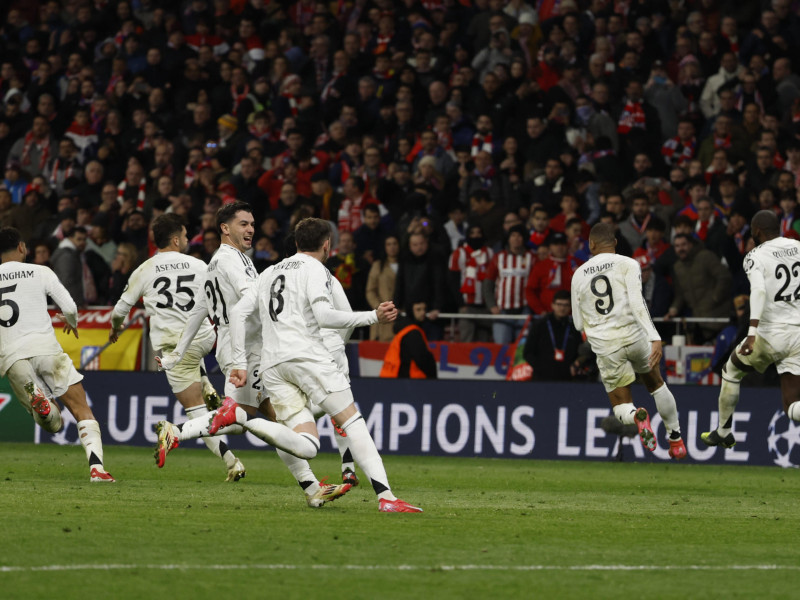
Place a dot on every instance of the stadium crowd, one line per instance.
(461, 149)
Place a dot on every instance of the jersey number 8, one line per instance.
(276, 294)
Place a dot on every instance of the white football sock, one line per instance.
(302, 445)
(793, 412)
(666, 407)
(625, 412)
(366, 455)
(198, 428)
(344, 452)
(89, 434)
(301, 471)
(217, 444)
(728, 399)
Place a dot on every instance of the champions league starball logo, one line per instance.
(783, 440)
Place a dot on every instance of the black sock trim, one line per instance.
(94, 461)
(728, 423)
(223, 449)
(378, 487)
(305, 484)
(347, 457)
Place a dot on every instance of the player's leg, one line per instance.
(185, 379)
(733, 372)
(340, 406)
(667, 408)
(210, 395)
(30, 394)
(192, 401)
(617, 375)
(317, 493)
(74, 398)
(790, 392)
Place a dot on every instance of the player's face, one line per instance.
(240, 230)
(183, 240)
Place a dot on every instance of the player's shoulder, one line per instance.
(14, 270)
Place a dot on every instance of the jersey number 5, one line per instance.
(14, 306)
(276, 297)
(605, 304)
(782, 271)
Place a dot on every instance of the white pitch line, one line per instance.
(285, 567)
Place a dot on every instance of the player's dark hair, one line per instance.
(766, 221)
(603, 234)
(165, 227)
(227, 213)
(310, 234)
(10, 237)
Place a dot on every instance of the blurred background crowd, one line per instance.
(461, 149)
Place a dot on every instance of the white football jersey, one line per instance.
(169, 283)
(774, 267)
(607, 303)
(26, 329)
(230, 274)
(284, 297)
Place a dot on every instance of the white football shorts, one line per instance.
(619, 368)
(291, 385)
(771, 346)
(250, 393)
(187, 371)
(53, 374)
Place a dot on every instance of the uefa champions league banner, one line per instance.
(487, 419)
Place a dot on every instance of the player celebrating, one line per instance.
(169, 283)
(230, 273)
(293, 301)
(607, 304)
(774, 332)
(38, 369)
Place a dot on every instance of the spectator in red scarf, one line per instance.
(469, 265)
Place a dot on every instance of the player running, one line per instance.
(773, 268)
(170, 283)
(38, 369)
(607, 304)
(293, 302)
(230, 273)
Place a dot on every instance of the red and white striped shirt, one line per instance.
(510, 271)
(473, 266)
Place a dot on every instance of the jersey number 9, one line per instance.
(605, 304)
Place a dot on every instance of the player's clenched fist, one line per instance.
(387, 312)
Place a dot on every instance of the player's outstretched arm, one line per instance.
(633, 286)
(758, 297)
(69, 310)
(246, 306)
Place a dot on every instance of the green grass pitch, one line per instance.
(491, 528)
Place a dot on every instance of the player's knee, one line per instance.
(308, 448)
(732, 372)
(793, 412)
